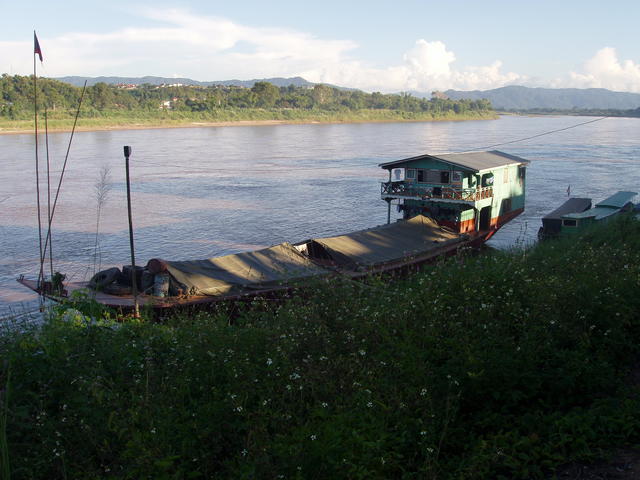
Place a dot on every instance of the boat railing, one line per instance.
(426, 191)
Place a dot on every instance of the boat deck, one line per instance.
(388, 249)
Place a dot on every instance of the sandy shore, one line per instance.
(237, 123)
(142, 126)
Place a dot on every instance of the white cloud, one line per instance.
(604, 70)
(213, 48)
(484, 78)
(427, 66)
(204, 48)
(429, 60)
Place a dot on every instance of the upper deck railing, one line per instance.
(424, 191)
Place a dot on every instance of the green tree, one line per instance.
(101, 96)
(379, 101)
(355, 100)
(266, 94)
(322, 95)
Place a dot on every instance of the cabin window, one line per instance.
(522, 171)
(397, 175)
(569, 223)
(433, 176)
(487, 180)
(456, 177)
(411, 173)
(471, 181)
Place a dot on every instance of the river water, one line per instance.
(202, 192)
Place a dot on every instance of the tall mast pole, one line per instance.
(46, 137)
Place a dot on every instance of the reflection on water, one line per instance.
(203, 192)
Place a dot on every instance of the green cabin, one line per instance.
(603, 211)
(471, 192)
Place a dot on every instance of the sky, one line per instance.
(386, 46)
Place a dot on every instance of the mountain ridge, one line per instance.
(516, 97)
(78, 81)
(508, 98)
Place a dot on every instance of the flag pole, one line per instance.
(36, 49)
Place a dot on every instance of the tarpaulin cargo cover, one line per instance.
(387, 243)
(242, 272)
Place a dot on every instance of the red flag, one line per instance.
(36, 46)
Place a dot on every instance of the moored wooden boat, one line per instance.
(395, 247)
(602, 212)
(462, 207)
(552, 222)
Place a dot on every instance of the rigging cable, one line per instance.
(278, 168)
(64, 166)
(534, 136)
(187, 169)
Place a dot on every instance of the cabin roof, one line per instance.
(606, 207)
(474, 161)
(617, 200)
(572, 205)
(596, 212)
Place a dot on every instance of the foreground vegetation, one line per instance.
(503, 365)
(151, 105)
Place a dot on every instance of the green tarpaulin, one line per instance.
(243, 272)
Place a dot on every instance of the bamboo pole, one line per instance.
(134, 286)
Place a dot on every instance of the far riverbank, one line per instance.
(8, 127)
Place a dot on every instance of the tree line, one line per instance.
(590, 112)
(17, 98)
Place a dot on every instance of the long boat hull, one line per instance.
(403, 265)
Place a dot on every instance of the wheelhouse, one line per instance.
(467, 192)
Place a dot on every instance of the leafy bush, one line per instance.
(500, 365)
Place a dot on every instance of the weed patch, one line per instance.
(501, 365)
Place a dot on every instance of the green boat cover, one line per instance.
(617, 200)
(397, 241)
(606, 208)
(244, 272)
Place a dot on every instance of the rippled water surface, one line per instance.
(202, 192)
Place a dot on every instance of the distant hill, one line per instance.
(526, 98)
(278, 81)
(514, 97)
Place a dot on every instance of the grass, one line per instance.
(503, 365)
(126, 119)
